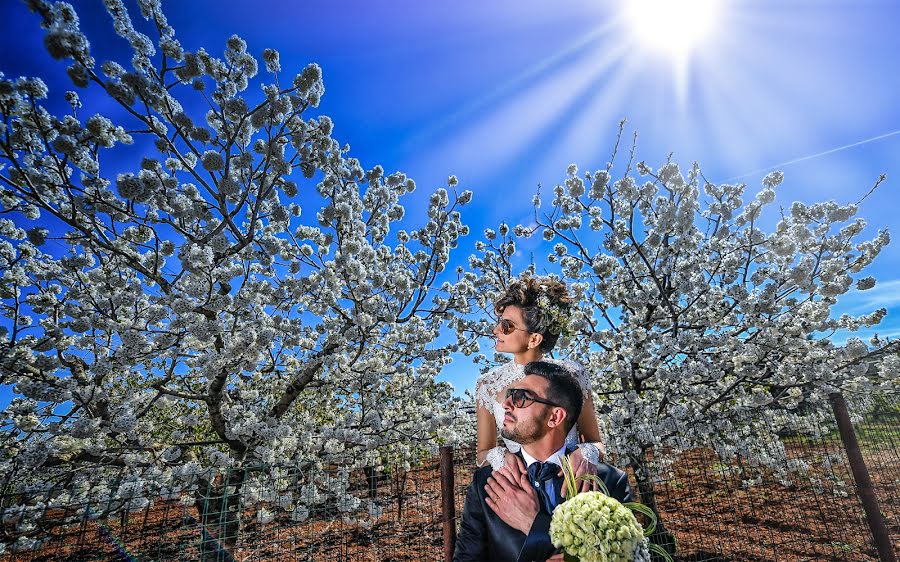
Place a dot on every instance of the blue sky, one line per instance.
(505, 94)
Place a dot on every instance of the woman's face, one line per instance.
(517, 340)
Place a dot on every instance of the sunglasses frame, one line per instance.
(527, 397)
(507, 327)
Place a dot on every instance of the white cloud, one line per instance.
(885, 294)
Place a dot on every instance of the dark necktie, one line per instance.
(538, 474)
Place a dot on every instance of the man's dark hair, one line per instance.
(564, 389)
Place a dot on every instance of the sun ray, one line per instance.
(548, 94)
(673, 31)
(514, 86)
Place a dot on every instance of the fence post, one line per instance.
(448, 502)
(863, 482)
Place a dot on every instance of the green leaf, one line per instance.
(655, 548)
(596, 479)
(572, 481)
(641, 508)
(569, 475)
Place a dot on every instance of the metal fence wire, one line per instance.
(712, 509)
(297, 513)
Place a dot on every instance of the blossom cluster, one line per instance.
(704, 318)
(185, 317)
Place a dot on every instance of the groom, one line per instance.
(507, 512)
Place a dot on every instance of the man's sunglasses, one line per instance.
(507, 327)
(522, 398)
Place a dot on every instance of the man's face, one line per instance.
(528, 424)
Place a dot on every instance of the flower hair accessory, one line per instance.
(556, 314)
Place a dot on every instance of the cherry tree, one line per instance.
(700, 327)
(241, 295)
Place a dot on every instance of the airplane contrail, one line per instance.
(811, 156)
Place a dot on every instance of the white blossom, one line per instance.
(188, 320)
(701, 328)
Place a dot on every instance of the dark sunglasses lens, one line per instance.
(506, 327)
(519, 396)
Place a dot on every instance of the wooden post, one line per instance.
(863, 482)
(448, 502)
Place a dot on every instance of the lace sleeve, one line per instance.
(496, 456)
(491, 383)
(592, 452)
(581, 375)
(483, 396)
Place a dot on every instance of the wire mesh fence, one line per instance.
(806, 509)
(734, 511)
(714, 509)
(290, 513)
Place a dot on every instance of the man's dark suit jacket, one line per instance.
(484, 537)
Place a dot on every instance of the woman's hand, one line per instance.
(581, 467)
(514, 465)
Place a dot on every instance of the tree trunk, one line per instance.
(399, 489)
(219, 504)
(647, 496)
(371, 481)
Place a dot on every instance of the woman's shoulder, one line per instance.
(491, 382)
(501, 371)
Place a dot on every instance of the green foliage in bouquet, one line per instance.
(594, 527)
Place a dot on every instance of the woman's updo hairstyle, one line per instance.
(546, 307)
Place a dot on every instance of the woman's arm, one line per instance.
(486, 429)
(591, 451)
(588, 427)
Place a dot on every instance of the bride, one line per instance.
(533, 313)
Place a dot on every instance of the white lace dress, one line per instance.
(491, 384)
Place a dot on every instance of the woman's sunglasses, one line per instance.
(522, 398)
(507, 327)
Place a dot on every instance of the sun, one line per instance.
(672, 27)
(674, 31)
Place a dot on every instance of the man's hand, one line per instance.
(511, 497)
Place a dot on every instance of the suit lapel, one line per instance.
(557, 489)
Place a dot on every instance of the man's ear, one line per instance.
(557, 417)
(535, 340)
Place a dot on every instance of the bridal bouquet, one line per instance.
(593, 527)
